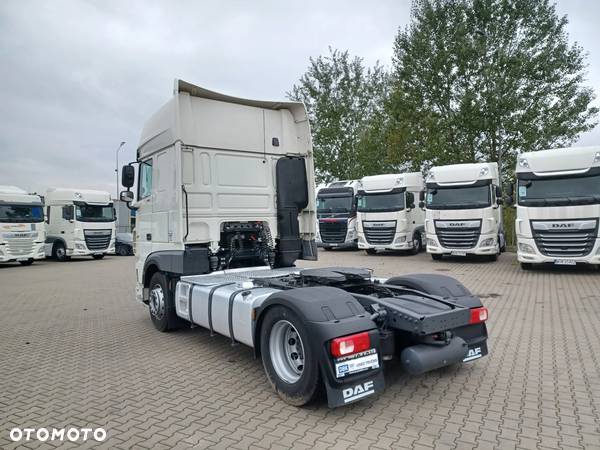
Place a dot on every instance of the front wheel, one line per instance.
(288, 359)
(417, 244)
(160, 304)
(526, 266)
(60, 252)
(371, 251)
(27, 262)
(98, 256)
(436, 256)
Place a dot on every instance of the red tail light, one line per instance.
(349, 345)
(478, 315)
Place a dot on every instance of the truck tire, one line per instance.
(288, 359)
(371, 251)
(161, 305)
(526, 266)
(417, 244)
(98, 256)
(59, 252)
(493, 257)
(27, 262)
(436, 256)
(122, 250)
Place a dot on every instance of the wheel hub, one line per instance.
(287, 351)
(157, 301)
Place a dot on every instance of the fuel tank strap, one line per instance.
(210, 301)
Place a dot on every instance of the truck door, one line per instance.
(143, 221)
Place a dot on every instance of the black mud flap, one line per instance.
(367, 386)
(476, 351)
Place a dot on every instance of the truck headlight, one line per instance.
(526, 248)
(431, 242)
(400, 239)
(488, 242)
(79, 246)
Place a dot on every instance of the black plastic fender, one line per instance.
(440, 285)
(328, 313)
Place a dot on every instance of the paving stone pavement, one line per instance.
(78, 351)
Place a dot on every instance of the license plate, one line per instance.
(356, 363)
(565, 262)
(458, 253)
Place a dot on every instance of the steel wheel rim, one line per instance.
(157, 301)
(60, 252)
(287, 351)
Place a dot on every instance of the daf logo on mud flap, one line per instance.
(474, 353)
(358, 391)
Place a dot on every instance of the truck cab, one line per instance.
(80, 222)
(22, 227)
(463, 211)
(558, 207)
(387, 216)
(336, 213)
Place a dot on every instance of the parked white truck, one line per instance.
(464, 211)
(225, 206)
(387, 216)
(22, 228)
(80, 222)
(558, 206)
(336, 213)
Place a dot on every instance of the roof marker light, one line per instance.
(484, 171)
(431, 176)
(523, 163)
(597, 158)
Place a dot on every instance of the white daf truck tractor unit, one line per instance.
(558, 207)
(336, 214)
(225, 206)
(464, 211)
(387, 216)
(80, 222)
(22, 227)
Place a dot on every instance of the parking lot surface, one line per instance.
(78, 351)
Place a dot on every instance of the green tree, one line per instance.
(479, 80)
(345, 104)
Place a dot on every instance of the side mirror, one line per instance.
(510, 201)
(421, 197)
(67, 212)
(422, 204)
(410, 200)
(128, 176)
(499, 201)
(498, 191)
(126, 196)
(511, 188)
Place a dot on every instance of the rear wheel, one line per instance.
(160, 304)
(288, 359)
(98, 256)
(26, 262)
(436, 256)
(60, 252)
(371, 251)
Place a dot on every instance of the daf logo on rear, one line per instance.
(359, 391)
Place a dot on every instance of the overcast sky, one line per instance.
(77, 78)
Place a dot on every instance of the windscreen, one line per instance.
(559, 191)
(94, 213)
(468, 197)
(334, 204)
(393, 201)
(21, 213)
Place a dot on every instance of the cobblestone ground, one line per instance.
(78, 351)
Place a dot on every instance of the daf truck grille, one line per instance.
(458, 234)
(97, 239)
(565, 239)
(19, 247)
(379, 233)
(333, 232)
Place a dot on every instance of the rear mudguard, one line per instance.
(329, 313)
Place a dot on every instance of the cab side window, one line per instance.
(145, 180)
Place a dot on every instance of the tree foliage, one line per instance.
(345, 104)
(477, 79)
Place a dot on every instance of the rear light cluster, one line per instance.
(478, 315)
(348, 345)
